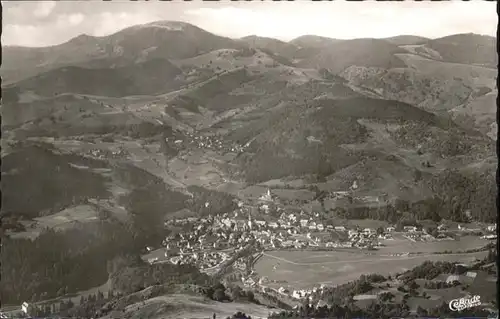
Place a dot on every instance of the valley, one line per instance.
(248, 175)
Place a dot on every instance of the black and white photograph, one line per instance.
(249, 159)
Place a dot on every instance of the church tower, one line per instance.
(249, 221)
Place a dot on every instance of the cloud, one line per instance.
(22, 34)
(283, 20)
(69, 20)
(75, 19)
(346, 20)
(44, 9)
(111, 22)
(239, 22)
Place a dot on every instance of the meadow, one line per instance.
(62, 220)
(307, 269)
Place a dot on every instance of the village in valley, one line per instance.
(283, 241)
(233, 243)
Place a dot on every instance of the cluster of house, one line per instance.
(232, 231)
(299, 294)
(340, 195)
(203, 260)
(365, 238)
(240, 264)
(105, 154)
(302, 294)
(262, 284)
(226, 231)
(202, 245)
(489, 237)
(489, 230)
(24, 312)
(422, 236)
(209, 142)
(193, 248)
(289, 231)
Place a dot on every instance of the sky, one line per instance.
(44, 23)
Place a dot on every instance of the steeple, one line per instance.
(249, 221)
(267, 196)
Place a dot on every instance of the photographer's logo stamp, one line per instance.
(465, 303)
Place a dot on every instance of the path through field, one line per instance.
(359, 260)
(340, 268)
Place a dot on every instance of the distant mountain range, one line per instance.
(304, 79)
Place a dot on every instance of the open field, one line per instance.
(294, 194)
(277, 183)
(366, 223)
(199, 168)
(255, 191)
(305, 269)
(64, 219)
(144, 156)
(158, 253)
(475, 75)
(186, 306)
(74, 297)
(200, 173)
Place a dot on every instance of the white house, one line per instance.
(471, 274)
(297, 294)
(339, 228)
(452, 278)
(273, 225)
(441, 227)
(492, 227)
(390, 229)
(368, 230)
(26, 308)
(260, 222)
(410, 229)
(490, 237)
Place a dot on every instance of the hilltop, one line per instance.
(407, 40)
(156, 40)
(146, 78)
(314, 41)
(337, 56)
(435, 77)
(467, 48)
(278, 47)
